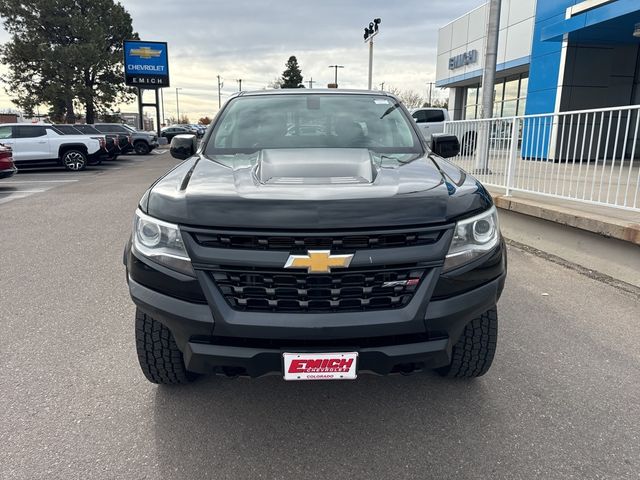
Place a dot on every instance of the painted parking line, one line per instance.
(16, 189)
(12, 182)
(25, 191)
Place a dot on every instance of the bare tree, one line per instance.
(410, 98)
(276, 83)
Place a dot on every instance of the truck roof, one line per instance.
(303, 91)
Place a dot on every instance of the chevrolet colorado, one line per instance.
(314, 235)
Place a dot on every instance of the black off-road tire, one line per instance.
(158, 354)
(473, 354)
(141, 147)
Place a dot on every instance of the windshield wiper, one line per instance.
(389, 110)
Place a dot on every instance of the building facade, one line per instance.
(553, 55)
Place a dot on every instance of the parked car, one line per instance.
(116, 143)
(324, 254)
(143, 142)
(40, 144)
(431, 120)
(191, 128)
(170, 132)
(7, 167)
(67, 129)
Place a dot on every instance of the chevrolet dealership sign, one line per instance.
(146, 64)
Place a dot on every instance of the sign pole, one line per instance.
(158, 111)
(140, 122)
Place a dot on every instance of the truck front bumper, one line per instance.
(192, 326)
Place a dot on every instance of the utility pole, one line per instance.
(336, 67)
(488, 85)
(370, 32)
(239, 84)
(178, 104)
(220, 85)
(311, 82)
(430, 91)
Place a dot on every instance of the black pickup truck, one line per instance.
(315, 235)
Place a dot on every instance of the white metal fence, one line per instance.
(590, 155)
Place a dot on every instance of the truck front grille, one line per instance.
(352, 290)
(335, 242)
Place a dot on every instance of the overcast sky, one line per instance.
(252, 39)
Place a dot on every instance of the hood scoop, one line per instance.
(315, 166)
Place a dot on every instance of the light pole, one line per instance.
(178, 104)
(370, 32)
(430, 91)
(220, 85)
(336, 67)
(488, 86)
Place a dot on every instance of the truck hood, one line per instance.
(314, 189)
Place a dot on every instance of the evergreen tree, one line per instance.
(292, 76)
(66, 54)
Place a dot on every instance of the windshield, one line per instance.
(130, 128)
(87, 129)
(67, 129)
(253, 123)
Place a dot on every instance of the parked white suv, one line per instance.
(40, 144)
(431, 120)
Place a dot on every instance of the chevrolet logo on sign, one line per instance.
(145, 52)
(318, 261)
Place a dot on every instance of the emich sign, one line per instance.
(463, 59)
(146, 64)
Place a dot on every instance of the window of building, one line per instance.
(509, 98)
(471, 102)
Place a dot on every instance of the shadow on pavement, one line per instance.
(375, 427)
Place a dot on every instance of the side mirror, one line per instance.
(445, 145)
(183, 146)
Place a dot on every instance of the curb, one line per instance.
(591, 222)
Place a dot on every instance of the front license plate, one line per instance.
(320, 366)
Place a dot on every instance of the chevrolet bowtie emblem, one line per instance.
(318, 261)
(145, 52)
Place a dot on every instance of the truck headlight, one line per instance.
(473, 238)
(161, 242)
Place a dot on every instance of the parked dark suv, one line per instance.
(141, 142)
(315, 235)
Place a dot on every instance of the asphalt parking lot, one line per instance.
(562, 400)
(32, 181)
